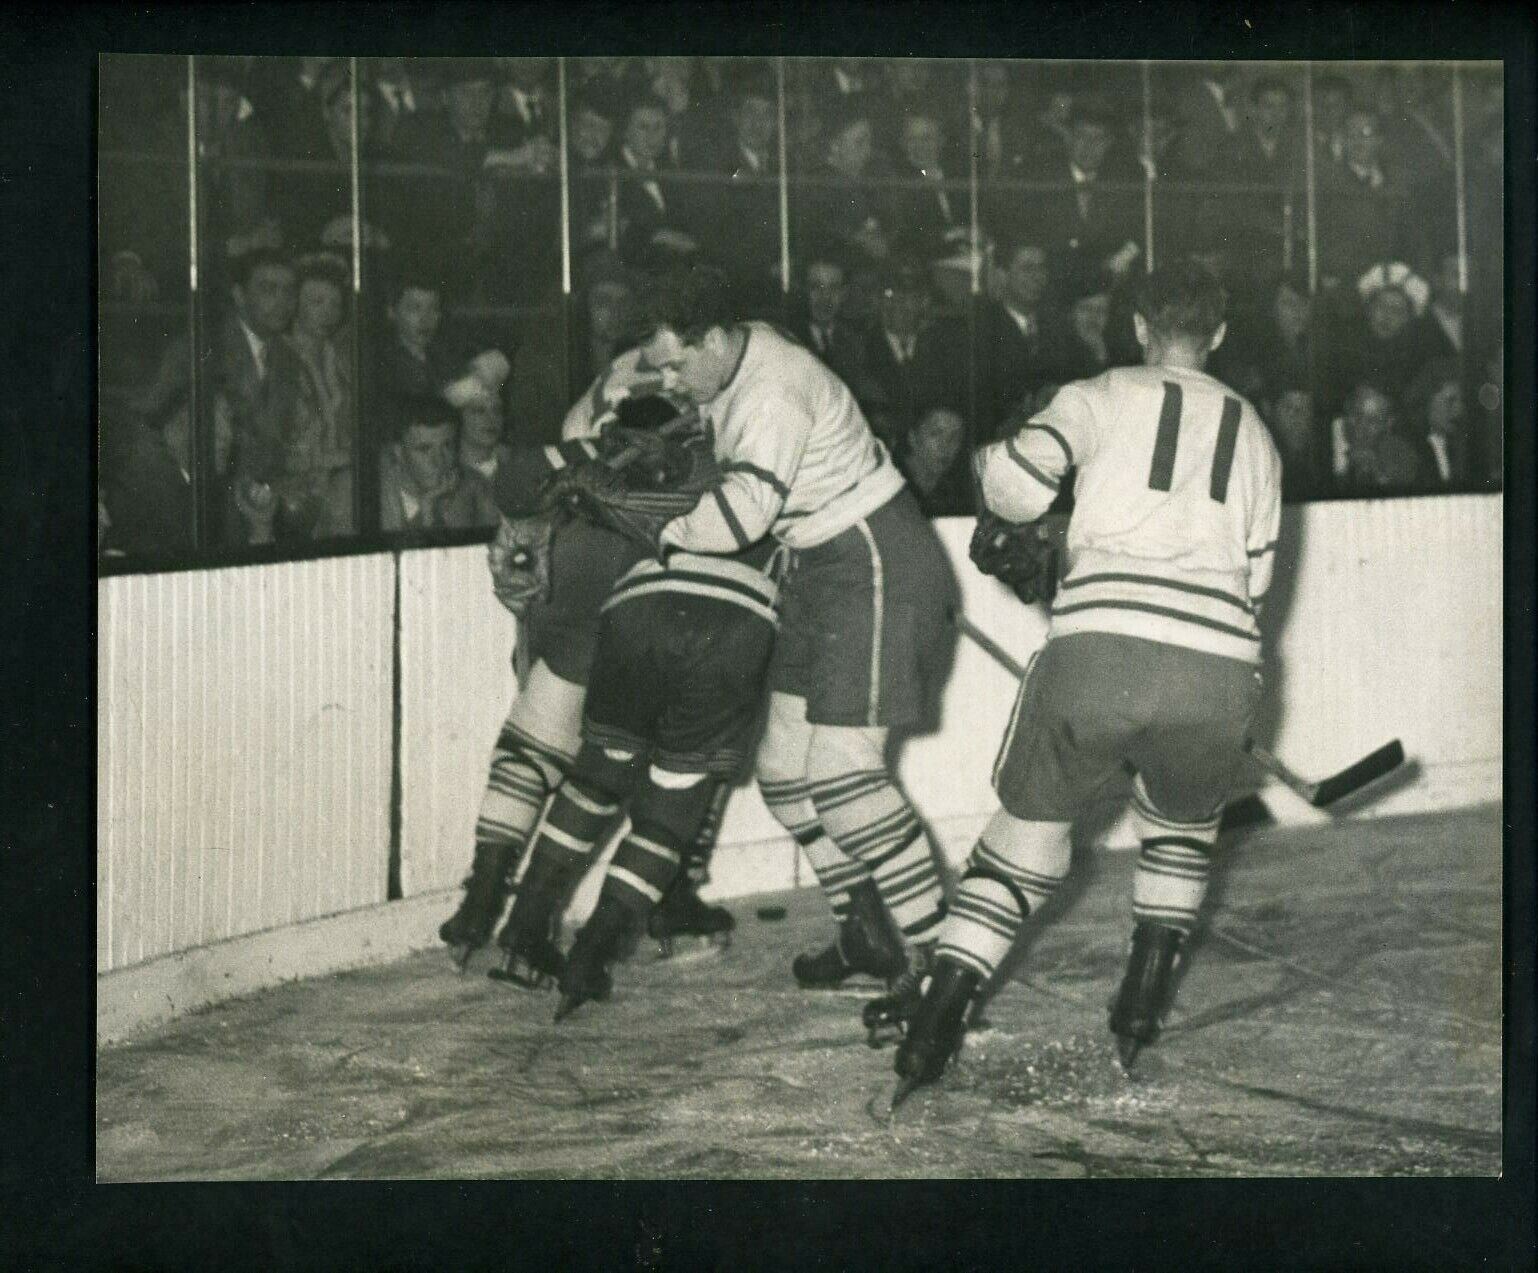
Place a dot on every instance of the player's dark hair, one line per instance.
(420, 411)
(686, 299)
(244, 267)
(1182, 301)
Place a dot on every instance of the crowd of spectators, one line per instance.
(954, 257)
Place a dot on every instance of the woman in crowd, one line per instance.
(321, 449)
(1438, 419)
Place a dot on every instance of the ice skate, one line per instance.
(586, 976)
(532, 960)
(866, 942)
(487, 888)
(886, 1017)
(681, 919)
(934, 1029)
(1145, 989)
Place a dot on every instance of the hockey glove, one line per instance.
(1024, 556)
(519, 559)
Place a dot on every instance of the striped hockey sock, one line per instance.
(643, 866)
(524, 771)
(791, 803)
(871, 821)
(577, 818)
(1014, 868)
(1173, 865)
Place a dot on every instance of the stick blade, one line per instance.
(1354, 777)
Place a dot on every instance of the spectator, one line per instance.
(1274, 348)
(315, 203)
(927, 206)
(286, 94)
(422, 486)
(251, 364)
(908, 360)
(1369, 454)
(738, 217)
(1435, 405)
(1096, 215)
(1269, 154)
(144, 211)
(322, 445)
(1289, 413)
(1211, 112)
(524, 128)
(1390, 341)
(1000, 128)
(1047, 140)
(412, 362)
(397, 97)
(1361, 205)
(1083, 349)
(594, 215)
(1334, 101)
(150, 500)
(1015, 339)
(839, 204)
(936, 461)
(650, 210)
(825, 330)
(1445, 312)
(477, 396)
(1490, 418)
(547, 374)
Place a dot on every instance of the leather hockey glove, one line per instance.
(1022, 555)
(519, 560)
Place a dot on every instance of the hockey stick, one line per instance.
(1321, 794)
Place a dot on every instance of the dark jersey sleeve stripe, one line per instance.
(732, 524)
(762, 474)
(1058, 438)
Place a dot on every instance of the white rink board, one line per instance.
(245, 714)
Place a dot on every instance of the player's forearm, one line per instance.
(726, 520)
(1008, 489)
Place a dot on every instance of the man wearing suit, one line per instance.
(826, 332)
(1362, 205)
(252, 365)
(736, 218)
(930, 204)
(1095, 216)
(910, 361)
(1014, 339)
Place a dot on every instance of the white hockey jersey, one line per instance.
(1177, 504)
(798, 456)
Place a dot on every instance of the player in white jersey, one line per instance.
(1151, 660)
(865, 638)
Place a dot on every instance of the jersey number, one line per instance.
(1163, 471)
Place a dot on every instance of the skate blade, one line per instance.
(568, 1005)
(687, 949)
(905, 1088)
(1127, 1049)
(524, 981)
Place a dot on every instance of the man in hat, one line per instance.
(1095, 215)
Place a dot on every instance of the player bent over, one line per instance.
(673, 703)
(554, 579)
(1152, 656)
(865, 639)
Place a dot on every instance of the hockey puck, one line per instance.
(770, 913)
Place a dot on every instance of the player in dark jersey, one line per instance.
(672, 708)
(555, 579)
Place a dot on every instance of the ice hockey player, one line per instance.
(672, 707)
(555, 582)
(1152, 658)
(865, 642)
